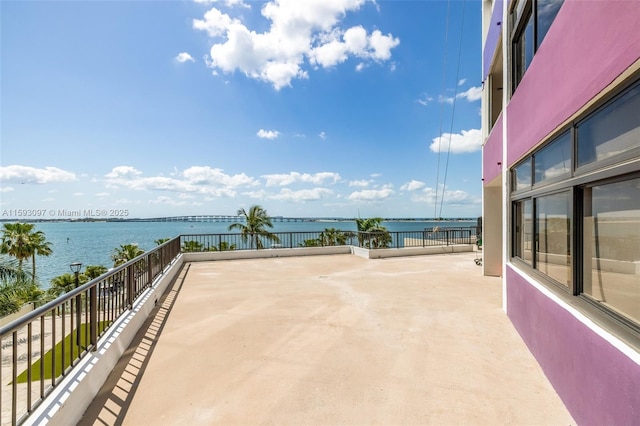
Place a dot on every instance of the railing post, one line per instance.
(447, 233)
(93, 318)
(130, 282)
(149, 270)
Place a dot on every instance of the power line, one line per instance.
(455, 96)
(442, 97)
(453, 111)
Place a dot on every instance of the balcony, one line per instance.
(329, 338)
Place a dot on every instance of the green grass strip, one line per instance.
(62, 360)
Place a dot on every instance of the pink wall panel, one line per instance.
(492, 153)
(590, 43)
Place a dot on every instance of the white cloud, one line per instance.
(322, 135)
(353, 42)
(228, 3)
(450, 198)
(295, 177)
(445, 99)
(300, 33)
(462, 81)
(6, 189)
(205, 175)
(425, 100)
(162, 199)
(26, 174)
(471, 95)
(195, 179)
(361, 183)
(412, 185)
(371, 194)
(261, 194)
(123, 172)
(466, 141)
(302, 195)
(268, 134)
(184, 57)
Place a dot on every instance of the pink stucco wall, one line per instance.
(598, 383)
(590, 43)
(492, 153)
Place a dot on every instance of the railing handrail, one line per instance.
(63, 298)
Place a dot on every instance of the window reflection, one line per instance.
(554, 160)
(522, 176)
(524, 230)
(612, 246)
(553, 236)
(547, 11)
(612, 130)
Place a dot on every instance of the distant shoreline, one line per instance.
(221, 218)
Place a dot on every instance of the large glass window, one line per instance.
(523, 243)
(554, 160)
(611, 253)
(612, 130)
(522, 176)
(553, 236)
(581, 228)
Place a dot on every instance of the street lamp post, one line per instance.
(75, 268)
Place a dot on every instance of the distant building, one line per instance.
(561, 198)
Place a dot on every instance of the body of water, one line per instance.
(93, 243)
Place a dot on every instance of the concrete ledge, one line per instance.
(23, 311)
(410, 251)
(266, 253)
(69, 400)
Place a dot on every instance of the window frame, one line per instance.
(619, 168)
(528, 10)
(580, 268)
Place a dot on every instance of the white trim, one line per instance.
(632, 354)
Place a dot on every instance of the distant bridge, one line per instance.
(228, 218)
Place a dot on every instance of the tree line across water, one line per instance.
(21, 243)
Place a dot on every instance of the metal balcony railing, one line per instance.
(40, 348)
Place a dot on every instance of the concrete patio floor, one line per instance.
(329, 340)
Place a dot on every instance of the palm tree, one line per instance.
(332, 237)
(10, 271)
(16, 240)
(15, 294)
(38, 246)
(125, 253)
(65, 283)
(161, 241)
(371, 233)
(94, 271)
(313, 242)
(223, 246)
(22, 242)
(16, 286)
(255, 222)
(191, 246)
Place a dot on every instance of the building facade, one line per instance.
(561, 192)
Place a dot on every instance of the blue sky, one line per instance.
(308, 108)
